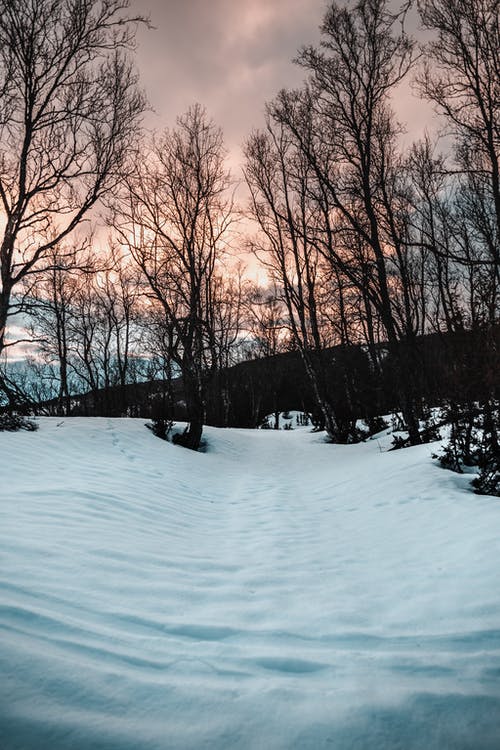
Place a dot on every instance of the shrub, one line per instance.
(16, 422)
(374, 425)
(474, 442)
(488, 481)
(161, 427)
(398, 442)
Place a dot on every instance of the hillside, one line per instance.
(272, 592)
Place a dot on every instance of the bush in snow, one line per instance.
(488, 481)
(428, 431)
(374, 425)
(161, 424)
(474, 442)
(463, 447)
(16, 422)
(399, 441)
(161, 427)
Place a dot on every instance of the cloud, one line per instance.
(230, 56)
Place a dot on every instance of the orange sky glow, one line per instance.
(232, 57)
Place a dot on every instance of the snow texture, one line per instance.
(273, 592)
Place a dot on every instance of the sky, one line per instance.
(232, 56)
(229, 55)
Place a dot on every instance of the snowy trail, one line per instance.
(274, 592)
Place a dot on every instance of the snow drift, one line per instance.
(273, 592)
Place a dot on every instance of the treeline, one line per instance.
(370, 240)
(244, 394)
(368, 245)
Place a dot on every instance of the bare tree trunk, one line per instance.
(195, 406)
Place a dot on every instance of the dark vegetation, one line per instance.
(382, 260)
(256, 388)
(14, 422)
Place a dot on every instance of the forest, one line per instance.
(128, 258)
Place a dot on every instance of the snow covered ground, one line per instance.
(273, 592)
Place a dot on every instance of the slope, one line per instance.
(272, 592)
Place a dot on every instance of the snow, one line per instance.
(273, 592)
(287, 420)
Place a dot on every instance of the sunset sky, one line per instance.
(232, 56)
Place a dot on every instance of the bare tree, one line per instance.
(279, 179)
(226, 312)
(174, 219)
(266, 321)
(344, 126)
(69, 109)
(48, 299)
(462, 78)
